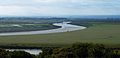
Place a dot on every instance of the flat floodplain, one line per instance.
(108, 34)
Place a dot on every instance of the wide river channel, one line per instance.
(65, 27)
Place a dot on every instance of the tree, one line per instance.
(20, 54)
(62, 53)
(46, 52)
(4, 54)
(84, 50)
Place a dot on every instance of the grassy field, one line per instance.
(108, 34)
(25, 27)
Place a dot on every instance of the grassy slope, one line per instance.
(99, 33)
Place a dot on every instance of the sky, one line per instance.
(59, 7)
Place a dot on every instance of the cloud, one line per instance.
(46, 1)
(15, 10)
(35, 11)
(59, 7)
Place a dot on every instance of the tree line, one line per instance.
(77, 50)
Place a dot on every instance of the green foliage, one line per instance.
(77, 50)
(116, 54)
(15, 54)
(81, 50)
(47, 52)
(20, 54)
(4, 54)
(62, 53)
(84, 50)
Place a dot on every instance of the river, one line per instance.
(31, 51)
(65, 27)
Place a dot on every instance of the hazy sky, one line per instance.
(59, 7)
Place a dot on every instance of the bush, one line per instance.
(4, 54)
(20, 54)
(79, 50)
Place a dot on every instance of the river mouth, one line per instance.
(65, 27)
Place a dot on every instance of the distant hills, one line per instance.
(71, 16)
(93, 16)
